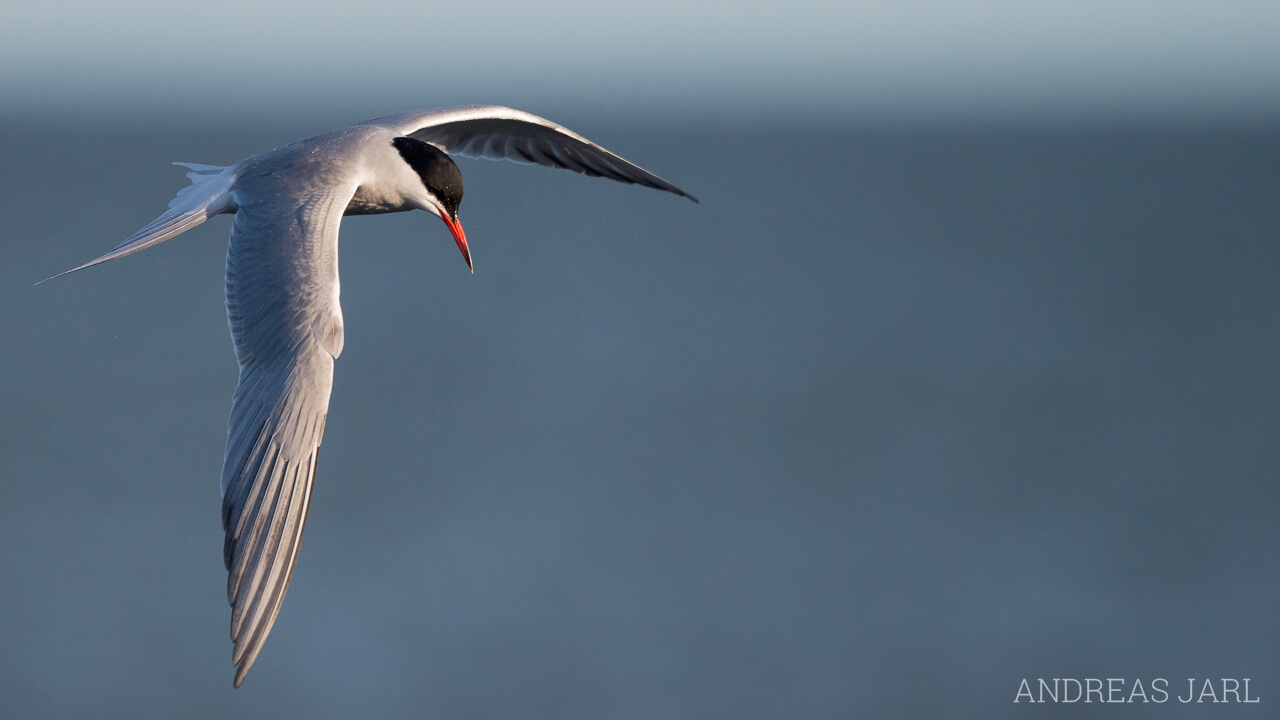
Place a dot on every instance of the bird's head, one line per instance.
(443, 183)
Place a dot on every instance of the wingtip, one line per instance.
(242, 670)
(675, 190)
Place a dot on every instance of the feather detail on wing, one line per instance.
(501, 133)
(282, 306)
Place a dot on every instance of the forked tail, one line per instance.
(209, 194)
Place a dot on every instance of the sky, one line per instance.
(980, 58)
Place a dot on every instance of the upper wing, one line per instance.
(282, 305)
(500, 133)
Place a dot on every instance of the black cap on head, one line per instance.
(438, 172)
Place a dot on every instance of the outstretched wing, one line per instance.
(501, 133)
(282, 305)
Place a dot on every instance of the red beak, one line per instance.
(460, 237)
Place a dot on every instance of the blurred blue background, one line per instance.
(963, 372)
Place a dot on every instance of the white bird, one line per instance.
(282, 300)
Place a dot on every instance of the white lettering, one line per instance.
(1115, 690)
(1091, 686)
(1191, 691)
(1053, 694)
(1207, 690)
(1137, 691)
(1246, 693)
(1079, 690)
(1024, 690)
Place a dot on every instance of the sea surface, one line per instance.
(896, 417)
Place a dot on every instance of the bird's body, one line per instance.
(283, 300)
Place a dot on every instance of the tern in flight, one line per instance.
(282, 300)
